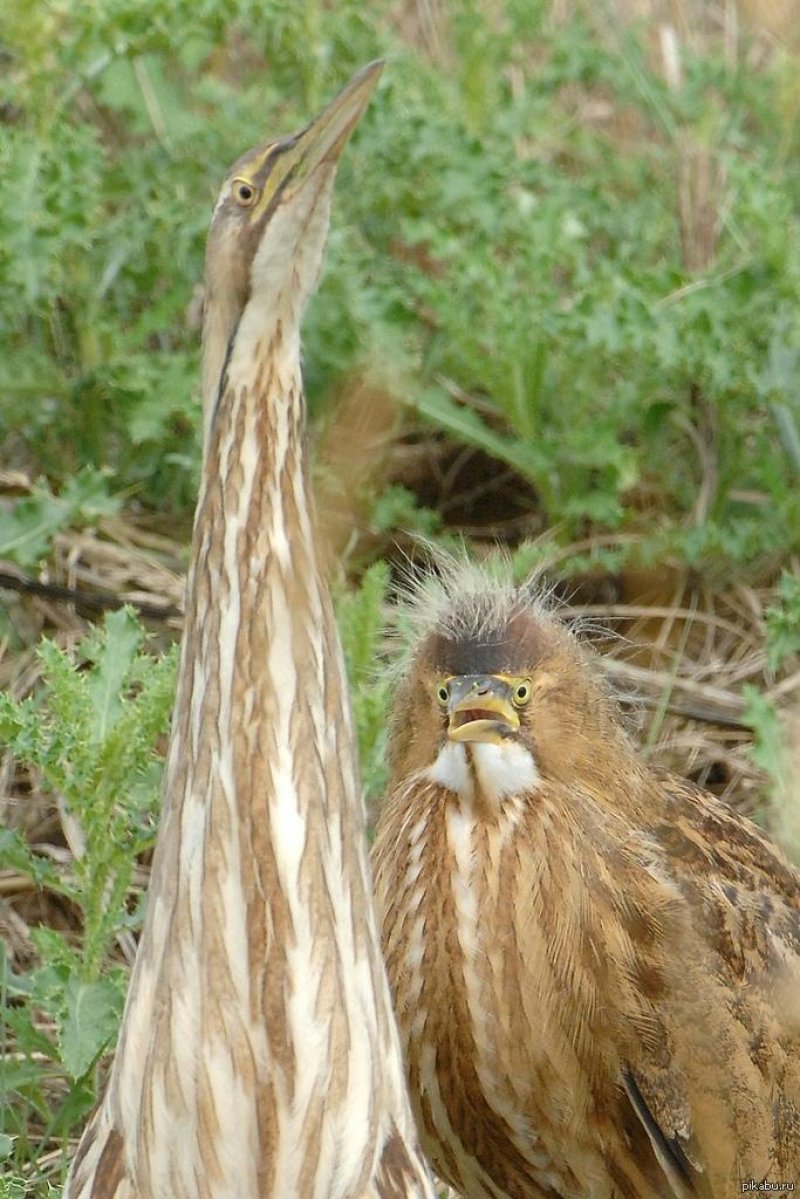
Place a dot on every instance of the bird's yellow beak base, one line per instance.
(481, 708)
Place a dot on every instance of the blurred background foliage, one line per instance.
(563, 238)
(559, 311)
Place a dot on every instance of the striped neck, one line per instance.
(259, 1017)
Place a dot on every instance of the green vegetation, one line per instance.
(550, 252)
(361, 616)
(89, 736)
(776, 741)
(545, 248)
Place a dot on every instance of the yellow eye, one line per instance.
(522, 693)
(443, 694)
(244, 193)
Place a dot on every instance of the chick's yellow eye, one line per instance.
(244, 193)
(443, 694)
(522, 693)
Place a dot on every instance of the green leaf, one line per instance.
(464, 424)
(113, 652)
(397, 508)
(783, 622)
(13, 1188)
(11, 983)
(769, 746)
(14, 852)
(88, 1023)
(27, 529)
(23, 1021)
(15, 855)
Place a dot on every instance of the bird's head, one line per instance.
(267, 237)
(497, 692)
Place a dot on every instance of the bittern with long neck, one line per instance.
(258, 1056)
(595, 965)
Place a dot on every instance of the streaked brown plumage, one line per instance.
(595, 966)
(258, 1056)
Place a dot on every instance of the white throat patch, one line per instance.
(501, 771)
(504, 770)
(451, 770)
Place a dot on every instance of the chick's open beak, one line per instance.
(480, 708)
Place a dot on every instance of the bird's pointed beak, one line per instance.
(481, 709)
(327, 135)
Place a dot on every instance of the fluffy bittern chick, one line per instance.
(595, 966)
